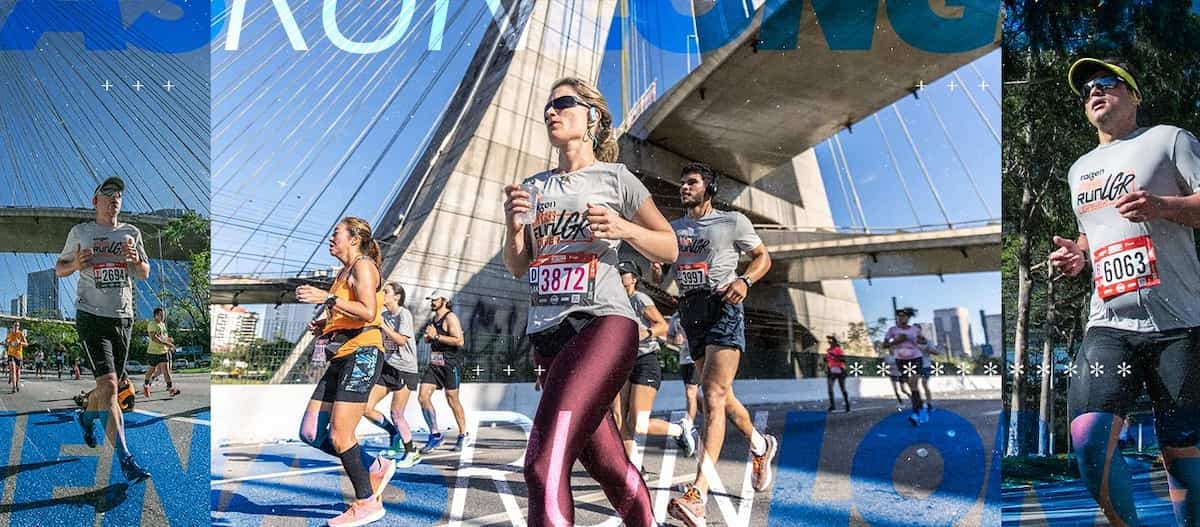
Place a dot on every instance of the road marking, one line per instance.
(192, 420)
(291, 473)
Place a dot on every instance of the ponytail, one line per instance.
(367, 245)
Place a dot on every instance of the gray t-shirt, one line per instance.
(105, 286)
(709, 249)
(1146, 276)
(403, 358)
(570, 271)
(674, 328)
(640, 301)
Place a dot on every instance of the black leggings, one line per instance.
(586, 362)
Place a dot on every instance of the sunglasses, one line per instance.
(564, 102)
(110, 192)
(1103, 83)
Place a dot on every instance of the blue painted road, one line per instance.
(52, 478)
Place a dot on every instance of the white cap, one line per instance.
(438, 293)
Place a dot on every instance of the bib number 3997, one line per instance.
(1124, 267)
(693, 275)
(563, 279)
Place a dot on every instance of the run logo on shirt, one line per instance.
(692, 245)
(554, 226)
(108, 263)
(1095, 193)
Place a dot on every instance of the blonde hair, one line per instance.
(367, 245)
(604, 142)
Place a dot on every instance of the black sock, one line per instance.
(326, 446)
(409, 447)
(359, 477)
(389, 427)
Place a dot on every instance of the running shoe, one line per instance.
(847, 406)
(435, 440)
(88, 428)
(382, 471)
(361, 512)
(688, 508)
(409, 459)
(761, 476)
(133, 472)
(924, 415)
(914, 419)
(461, 442)
(173, 391)
(146, 390)
(686, 442)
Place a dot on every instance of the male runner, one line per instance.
(399, 376)
(39, 363)
(15, 342)
(1136, 205)
(445, 336)
(108, 255)
(159, 352)
(710, 242)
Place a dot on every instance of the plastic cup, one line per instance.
(529, 216)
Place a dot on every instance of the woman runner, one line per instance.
(583, 330)
(836, 364)
(350, 339)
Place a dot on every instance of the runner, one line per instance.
(835, 365)
(15, 342)
(445, 335)
(108, 255)
(159, 352)
(60, 358)
(901, 339)
(399, 376)
(687, 372)
(1136, 206)
(581, 325)
(927, 353)
(633, 403)
(710, 243)
(350, 340)
(39, 363)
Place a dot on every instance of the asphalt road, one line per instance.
(52, 478)
(867, 466)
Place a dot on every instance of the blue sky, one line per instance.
(291, 125)
(62, 132)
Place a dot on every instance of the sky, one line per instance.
(63, 132)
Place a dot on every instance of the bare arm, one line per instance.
(736, 291)
(658, 324)
(516, 253)
(455, 338)
(396, 337)
(649, 233)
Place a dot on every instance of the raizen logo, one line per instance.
(187, 25)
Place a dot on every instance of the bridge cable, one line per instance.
(921, 163)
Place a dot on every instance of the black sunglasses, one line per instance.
(1105, 83)
(564, 102)
(110, 191)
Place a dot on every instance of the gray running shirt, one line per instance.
(403, 358)
(570, 271)
(1165, 161)
(640, 301)
(105, 286)
(709, 249)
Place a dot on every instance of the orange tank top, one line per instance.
(371, 336)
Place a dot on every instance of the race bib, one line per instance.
(109, 275)
(693, 275)
(1124, 266)
(563, 279)
(437, 358)
(319, 348)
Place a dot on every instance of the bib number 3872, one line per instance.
(563, 279)
(1124, 267)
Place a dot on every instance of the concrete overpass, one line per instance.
(44, 230)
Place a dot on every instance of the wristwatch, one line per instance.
(746, 279)
(330, 301)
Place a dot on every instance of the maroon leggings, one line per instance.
(585, 368)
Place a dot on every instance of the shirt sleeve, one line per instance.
(406, 324)
(69, 247)
(633, 192)
(1187, 159)
(745, 237)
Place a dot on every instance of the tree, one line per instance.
(190, 305)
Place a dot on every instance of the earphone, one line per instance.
(710, 185)
(593, 114)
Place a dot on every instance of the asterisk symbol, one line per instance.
(883, 369)
(1017, 369)
(1097, 369)
(938, 368)
(909, 369)
(990, 369)
(1123, 369)
(856, 369)
(962, 370)
(1071, 370)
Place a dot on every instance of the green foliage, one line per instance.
(188, 319)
